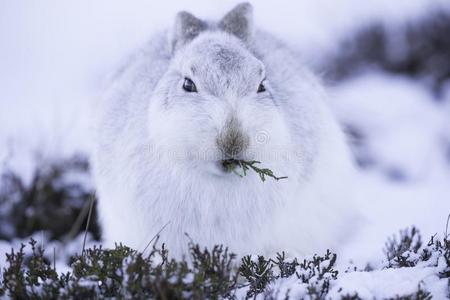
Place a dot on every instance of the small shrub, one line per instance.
(231, 164)
(418, 48)
(124, 273)
(121, 273)
(286, 268)
(318, 274)
(257, 273)
(56, 200)
(403, 252)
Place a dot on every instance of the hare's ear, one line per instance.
(239, 21)
(185, 29)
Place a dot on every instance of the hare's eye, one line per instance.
(189, 86)
(261, 87)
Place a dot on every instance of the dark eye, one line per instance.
(189, 86)
(261, 87)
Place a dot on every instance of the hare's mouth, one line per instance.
(230, 165)
(225, 167)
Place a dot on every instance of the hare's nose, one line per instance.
(232, 141)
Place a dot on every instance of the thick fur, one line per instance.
(158, 147)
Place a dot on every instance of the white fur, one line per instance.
(156, 158)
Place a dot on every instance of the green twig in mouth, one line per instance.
(231, 164)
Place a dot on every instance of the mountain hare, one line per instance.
(196, 96)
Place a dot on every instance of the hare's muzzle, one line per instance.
(232, 141)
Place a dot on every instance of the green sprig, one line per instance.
(231, 164)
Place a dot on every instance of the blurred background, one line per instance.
(386, 66)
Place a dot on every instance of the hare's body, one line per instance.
(159, 145)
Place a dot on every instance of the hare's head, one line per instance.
(215, 100)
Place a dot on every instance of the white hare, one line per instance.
(195, 96)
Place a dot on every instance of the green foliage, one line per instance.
(409, 251)
(287, 268)
(317, 273)
(403, 252)
(102, 266)
(257, 273)
(232, 164)
(320, 266)
(440, 251)
(213, 271)
(14, 276)
(122, 273)
(31, 277)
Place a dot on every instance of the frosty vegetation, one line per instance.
(55, 199)
(124, 273)
(421, 50)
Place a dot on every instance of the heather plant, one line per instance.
(124, 273)
(424, 53)
(55, 200)
(409, 251)
(402, 252)
(232, 164)
(121, 273)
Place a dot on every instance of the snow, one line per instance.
(381, 284)
(404, 129)
(55, 56)
(387, 283)
(401, 121)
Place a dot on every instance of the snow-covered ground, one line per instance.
(55, 56)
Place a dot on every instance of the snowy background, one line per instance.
(386, 65)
